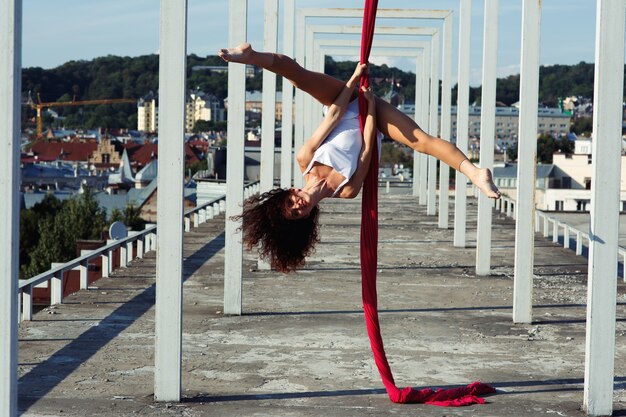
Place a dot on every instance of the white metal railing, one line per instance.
(552, 227)
(145, 241)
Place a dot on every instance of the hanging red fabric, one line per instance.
(369, 254)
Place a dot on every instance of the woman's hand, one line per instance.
(367, 93)
(360, 69)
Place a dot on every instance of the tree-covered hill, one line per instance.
(133, 77)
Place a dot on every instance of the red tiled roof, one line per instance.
(65, 151)
(143, 154)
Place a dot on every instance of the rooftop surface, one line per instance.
(301, 348)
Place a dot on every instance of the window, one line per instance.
(581, 205)
(566, 181)
(587, 183)
(558, 205)
(589, 159)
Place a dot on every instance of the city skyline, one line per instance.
(568, 30)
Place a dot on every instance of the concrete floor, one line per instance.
(301, 348)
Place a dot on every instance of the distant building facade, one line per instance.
(148, 113)
(564, 185)
(203, 106)
(550, 120)
(198, 106)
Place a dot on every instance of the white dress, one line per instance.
(341, 148)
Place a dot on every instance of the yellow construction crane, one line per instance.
(40, 106)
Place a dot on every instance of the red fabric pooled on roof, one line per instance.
(454, 397)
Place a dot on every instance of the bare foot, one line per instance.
(484, 181)
(239, 53)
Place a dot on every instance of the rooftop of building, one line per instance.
(301, 349)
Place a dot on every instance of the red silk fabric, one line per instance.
(455, 397)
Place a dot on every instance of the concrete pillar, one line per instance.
(526, 165)
(238, 14)
(169, 267)
(286, 147)
(462, 121)
(433, 126)
(606, 150)
(10, 135)
(487, 133)
(269, 106)
(419, 84)
(425, 120)
(446, 120)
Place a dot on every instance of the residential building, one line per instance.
(564, 185)
(203, 106)
(550, 120)
(148, 113)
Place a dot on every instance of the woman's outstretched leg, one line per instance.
(401, 128)
(322, 87)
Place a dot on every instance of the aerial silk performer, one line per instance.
(454, 397)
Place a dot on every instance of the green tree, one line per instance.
(582, 126)
(77, 218)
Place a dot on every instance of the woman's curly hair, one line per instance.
(283, 242)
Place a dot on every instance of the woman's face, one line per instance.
(298, 204)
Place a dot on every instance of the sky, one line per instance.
(58, 31)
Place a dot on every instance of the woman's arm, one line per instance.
(353, 186)
(332, 118)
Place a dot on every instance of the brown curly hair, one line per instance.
(283, 242)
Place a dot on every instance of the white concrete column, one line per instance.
(526, 165)
(446, 120)
(419, 84)
(238, 16)
(169, 265)
(606, 150)
(268, 111)
(487, 133)
(462, 121)
(286, 147)
(433, 126)
(425, 120)
(10, 136)
(298, 135)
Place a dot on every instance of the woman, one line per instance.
(334, 161)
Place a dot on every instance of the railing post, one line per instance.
(546, 226)
(555, 231)
(110, 257)
(84, 270)
(566, 229)
(123, 256)
(537, 222)
(187, 224)
(129, 250)
(56, 285)
(579, 242)
(196, 219)
(27, 303)
(141, 246)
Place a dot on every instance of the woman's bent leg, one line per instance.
(401, 128)
(322, 87)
